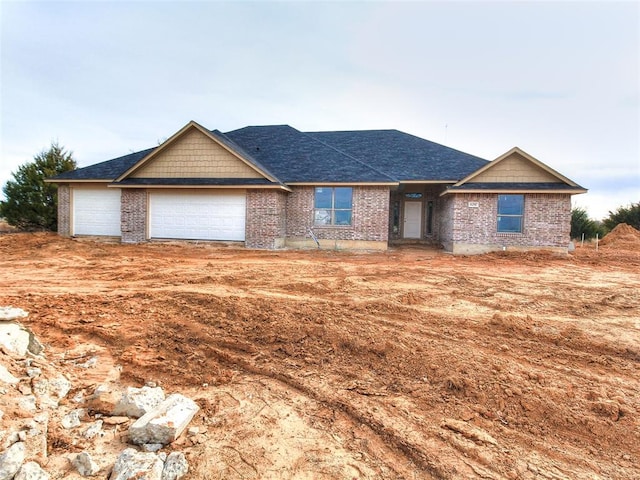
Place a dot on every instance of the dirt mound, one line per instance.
(622, 236)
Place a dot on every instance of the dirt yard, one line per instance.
(409, 364)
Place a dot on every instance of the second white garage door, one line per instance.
(96, 211)
(197, 216)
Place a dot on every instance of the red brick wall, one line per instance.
(64, 210)
(370, 221)
(133, 215)
(547, 221)
(299, 212)
(274, 215)
(371, 213)
(266, 219)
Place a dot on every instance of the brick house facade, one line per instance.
(275, 187)
(470, 225)
(369, 229)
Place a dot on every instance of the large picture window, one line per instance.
(333, 205)
(510, 213)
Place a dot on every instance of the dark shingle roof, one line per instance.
(294, 156)
(403, 156)
(291, 156)
(109, 170)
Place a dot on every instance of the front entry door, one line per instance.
(412, 220)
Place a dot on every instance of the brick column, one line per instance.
(133, 215)
(266, 219)
(64, 210)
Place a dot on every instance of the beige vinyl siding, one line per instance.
(515, 168)
(194, 155)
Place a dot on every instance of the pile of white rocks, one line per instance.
(34, 404)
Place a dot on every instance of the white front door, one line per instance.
(412, 220)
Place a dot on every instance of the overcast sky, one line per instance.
(558, 79)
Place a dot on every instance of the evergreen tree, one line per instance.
(629, 215)
(582, 224)
(32, 204)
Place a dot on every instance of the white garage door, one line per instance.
(197, 216)
(96, 211)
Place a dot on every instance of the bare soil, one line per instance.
(6, 228)
(330, 365)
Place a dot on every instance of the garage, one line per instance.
(96, 211)
(198, 216)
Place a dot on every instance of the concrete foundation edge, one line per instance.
(478, 249)
(306, 243)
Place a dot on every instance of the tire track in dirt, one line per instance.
(238, 346)
(393, 437)
(234, 346)
(270, 372)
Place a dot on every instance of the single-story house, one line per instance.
(274, 186)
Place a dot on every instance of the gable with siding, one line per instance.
(195, 155)
(516, 168)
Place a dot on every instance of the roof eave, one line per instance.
(429, 181)
(570, 191)
(218, 187)
(345, 183)
(78, 180)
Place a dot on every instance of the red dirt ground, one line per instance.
(320, 364)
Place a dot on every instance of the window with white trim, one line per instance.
(333, 206)
(510, 213)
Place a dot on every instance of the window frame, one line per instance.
(332, 209)
(395, 220)
(430, 209)
(510, 215)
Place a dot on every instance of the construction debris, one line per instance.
(32, 389)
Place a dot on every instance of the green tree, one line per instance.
(32, 204)
(629, 215)
(581, 223)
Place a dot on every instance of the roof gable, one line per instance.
(516, 168)
(196, 153)
(516, 165)
(518, 171)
